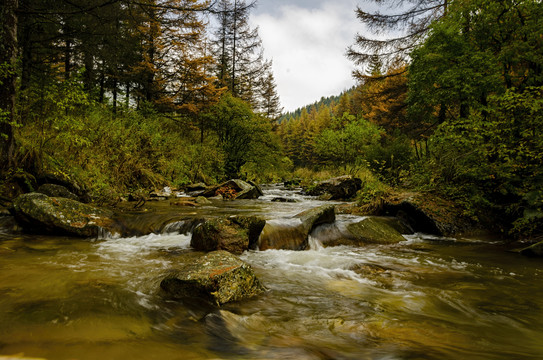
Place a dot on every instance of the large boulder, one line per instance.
(340, 188)
(73, 186)
(56, 215)
(218, 277)
(234, 234)
(292, 234)
(234, 189)
(370, 230)
(54, 190)
(376, 230)
(284, 234)
(425, 213)
(311, 218)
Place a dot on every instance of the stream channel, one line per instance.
(426, 298)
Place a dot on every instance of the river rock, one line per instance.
(293, 234)
(311, 218)
(218, 277)
(54, 190)
(283, 200)
(200, 200)
(67, 182)
(340, 188)
(286, 234)
(195, 189)
(234, 189)
(375, 230)
(425, 213)
(535, 250)
(51, 215)
(234, 234)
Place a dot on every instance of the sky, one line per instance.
(307, 41)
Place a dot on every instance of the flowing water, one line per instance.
(427, 298)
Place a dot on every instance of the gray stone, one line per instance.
(292, 234)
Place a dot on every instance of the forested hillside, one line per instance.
(121, 95)
(126, 95)
(453, 106)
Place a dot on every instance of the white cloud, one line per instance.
(308, 48)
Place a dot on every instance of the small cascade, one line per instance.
(175, 227)
(283, 234)
(314, 244)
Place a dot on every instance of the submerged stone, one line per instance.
(218, 277)
(49, 215)
(535, 250)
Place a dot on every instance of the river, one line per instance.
(426, 298)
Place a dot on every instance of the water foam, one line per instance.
(145, 244)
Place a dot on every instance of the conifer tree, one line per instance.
(238, 51)
(270, 104)
(413, 23)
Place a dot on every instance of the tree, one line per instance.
(242, 135)
(478, 79)
(270, 104)
(8, 58)
(413, 21)
(237, 49)
(345, 146)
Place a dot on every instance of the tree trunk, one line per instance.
(8, 59)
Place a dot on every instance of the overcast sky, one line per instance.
(307, 41)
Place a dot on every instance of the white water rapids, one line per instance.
(425, 298)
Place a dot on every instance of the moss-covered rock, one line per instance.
(292, 234)
(425, 213)
(50, 215)
(340, 188)
(54, 190)
(218, 277)
(283, 235)
(317, 216)
(375, 230)
(234, 189)
(234, 234)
